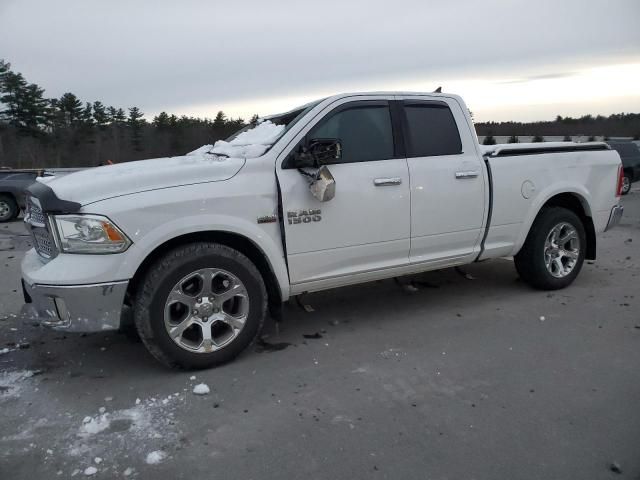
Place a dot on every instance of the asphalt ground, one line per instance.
(472, 376)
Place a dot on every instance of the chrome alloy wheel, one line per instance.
(626, 185)
(206, 310)
(561, 250)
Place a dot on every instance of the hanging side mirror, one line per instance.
(323, 185)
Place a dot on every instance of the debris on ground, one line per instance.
(263, 346)
(465, 274)
(201, 389)
(305, 306)
(312, 335)
(615, 467)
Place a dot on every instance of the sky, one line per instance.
(510, 60)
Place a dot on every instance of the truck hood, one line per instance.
(100, 183)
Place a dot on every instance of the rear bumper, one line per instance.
(614, 217)
(75, 308)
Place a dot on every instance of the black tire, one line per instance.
(8, 208)
(165, 273)
(626, 184)
(530, 261)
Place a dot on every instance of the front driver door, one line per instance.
(365, 227)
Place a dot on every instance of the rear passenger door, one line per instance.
(447, 181)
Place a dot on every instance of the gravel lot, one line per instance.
(467, 377)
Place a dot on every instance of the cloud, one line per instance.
(533, 78)
(168, 55)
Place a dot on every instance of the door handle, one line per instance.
(385, 182)
(467, 174)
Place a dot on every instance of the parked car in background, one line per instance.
(13, 183)
(630, 155)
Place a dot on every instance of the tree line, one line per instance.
(37, 131)
(615, 125)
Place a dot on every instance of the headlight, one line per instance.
(89, 234)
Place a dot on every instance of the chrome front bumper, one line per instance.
(614, 217)
(75, 308)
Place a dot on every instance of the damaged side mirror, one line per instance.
(323, 185)
(317, 152)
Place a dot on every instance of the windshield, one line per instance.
(255, 139)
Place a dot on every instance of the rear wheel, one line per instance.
(8, 208)
(200, 306)
(554, 250)
(626, 184)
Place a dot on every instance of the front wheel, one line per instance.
(8, 208)
(554, 250)
(200, 306)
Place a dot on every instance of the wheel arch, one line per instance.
(233, 240)
(578, 204)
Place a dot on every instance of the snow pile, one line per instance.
(155, 457)
(10, 382)
(91, 426)
(251, 143)
(201, 389)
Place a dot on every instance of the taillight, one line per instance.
(620, 180)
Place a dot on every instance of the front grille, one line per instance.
(36, 214)
(42, 241)
(36, 219)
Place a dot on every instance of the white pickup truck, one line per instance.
(348, 189)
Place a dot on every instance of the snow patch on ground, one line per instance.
(201, 389)
(12, 381)
(129, 432)
(155, 457)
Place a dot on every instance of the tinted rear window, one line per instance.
(432, 130)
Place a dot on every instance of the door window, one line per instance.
(364, 132)
(431, 130)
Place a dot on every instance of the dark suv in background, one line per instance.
(13, 183)
(630, 156)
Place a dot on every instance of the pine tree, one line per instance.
(71, 108)
(513, 139)
(135, 123)
(87, 115)
(100, 116)
(12, 91)
(220, 121)
(161, 121)
(566, 138)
